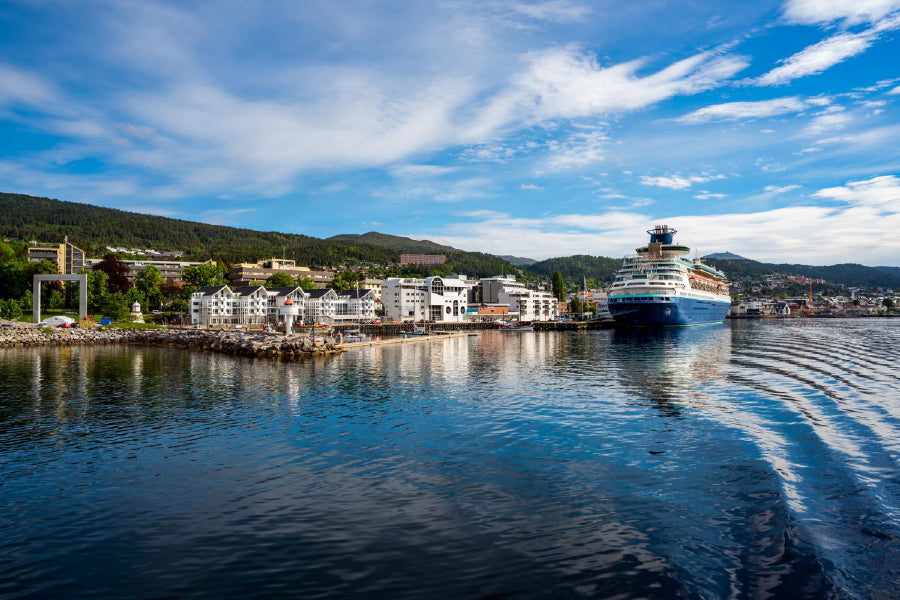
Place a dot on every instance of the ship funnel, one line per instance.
(661, 234)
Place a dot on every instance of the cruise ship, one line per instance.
(661, 287)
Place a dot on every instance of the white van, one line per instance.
(56, 321)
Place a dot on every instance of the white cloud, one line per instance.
(828, 122)
(880, 193)
(579, 150)
(420, 171)
(558, 11)
(851, 12)
(678, 182)
(734, 111)
(768, 236)
(774, 189)
(895, 91)
(709, 196)
(26, 89)
(531, 187)
(567, 83)
(818, 57)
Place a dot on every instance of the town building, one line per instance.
(169, 270)
(438, 299)
(246, 273)
(67, 258)
(354, 306)
(212, 305)
(277, 297)
(524, 303)
(422, 259)
(320, 306)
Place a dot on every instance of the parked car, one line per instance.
(56, 321)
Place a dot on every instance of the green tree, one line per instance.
(203, 275)
(10, 309)
(116, 307)
(97, 289)
(344, 281)
(576, 305)
(280, 280)
(147, 283)
(888, 303)
(306, 283)
(558, 286)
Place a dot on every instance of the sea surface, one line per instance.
(753, 459)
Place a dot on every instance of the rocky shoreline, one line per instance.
(228, 342)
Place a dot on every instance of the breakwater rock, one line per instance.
(229, 342)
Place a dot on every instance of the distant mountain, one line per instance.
(890, 270)
(518, 260)
(726, 256)
(852, 275)
(393, 242)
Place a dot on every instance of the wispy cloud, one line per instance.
(774, 189)
(850, 12)
(817, 58)
(531, 187)
(678, 182)
(557, 11)
(761, 109)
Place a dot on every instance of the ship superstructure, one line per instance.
(661, 286)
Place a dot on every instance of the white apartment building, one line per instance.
(524, 303)
(247, 305)
(354, 306)
(251, 305)
(212, 305)
(277, 296)
(319, 306)
(438, 299)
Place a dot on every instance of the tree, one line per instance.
(888, 303)
(203, 275)
(116, 307)
(280, 280)
(576, 305)
(147, 283)
(306, 283)
(97, 289)
(344, 281)
(558, 286)
(117, 271)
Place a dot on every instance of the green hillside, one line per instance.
(91, 228)
(597, 269)
(393, 242)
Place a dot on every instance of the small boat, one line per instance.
(416, 332)
(512, 326)
(354, 335)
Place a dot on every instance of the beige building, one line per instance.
(67, 258)
(244, 273)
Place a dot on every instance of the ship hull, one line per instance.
(675, 312)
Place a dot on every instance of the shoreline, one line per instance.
(226, 342)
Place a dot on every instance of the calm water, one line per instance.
(748, 460)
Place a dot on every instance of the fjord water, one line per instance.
(747, 460)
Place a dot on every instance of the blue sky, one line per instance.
(539, 129)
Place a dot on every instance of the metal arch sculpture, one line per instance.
(82, 293)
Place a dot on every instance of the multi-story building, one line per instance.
(276, 299)
(67, 258)
(320, 306)
(212, 305)
(169, 270)
(354, 306)
(422, 259)
(251, 305)
(245, 273)
(524, 303)
(439, 299)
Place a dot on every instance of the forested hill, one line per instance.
(598, 270)
(91, 228)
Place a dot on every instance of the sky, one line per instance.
(770, 129)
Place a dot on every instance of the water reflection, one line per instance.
(507, 465)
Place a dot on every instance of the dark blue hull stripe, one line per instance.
(676, 312)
